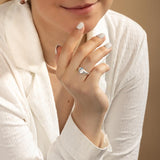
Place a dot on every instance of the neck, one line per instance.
(51, 36)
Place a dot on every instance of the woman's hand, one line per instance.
(91, 103)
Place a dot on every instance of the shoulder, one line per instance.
(130, 49)
(123, 27)
(122, 22)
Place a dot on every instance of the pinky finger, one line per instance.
(97, 72)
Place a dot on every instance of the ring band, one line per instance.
(81, 70)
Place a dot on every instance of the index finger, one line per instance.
(68, 47)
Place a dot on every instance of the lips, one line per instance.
(82, 9)
(79, 6)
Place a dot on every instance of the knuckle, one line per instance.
(81, 50)
(107, 67)
(103, 49)
(102, 68)
(89, 59)
(68, 49)
(68, 82)
(98, 69)
(95, 39)
(65, 80)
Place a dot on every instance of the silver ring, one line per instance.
(81, 70)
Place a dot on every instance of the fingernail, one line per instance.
(108, 45)
(101, 35)
(56, 49)
(80, 26)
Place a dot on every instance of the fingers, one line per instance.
(85, 49)
(96, 73)
(90, 61)
(68, 48)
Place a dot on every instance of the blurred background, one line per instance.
(147, 14)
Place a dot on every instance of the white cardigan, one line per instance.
(28, 118)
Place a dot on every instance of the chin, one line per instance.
(89, 25)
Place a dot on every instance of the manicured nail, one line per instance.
(80, 26)
(108, 45)
(56, 49)
(101, 35)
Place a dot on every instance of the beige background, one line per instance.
(147, 14)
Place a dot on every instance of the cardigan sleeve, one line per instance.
(16, 139)
(124, 121)
(76, 146)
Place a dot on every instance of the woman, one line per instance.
(65, 93)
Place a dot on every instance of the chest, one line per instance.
(63, 101)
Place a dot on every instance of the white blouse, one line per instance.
(28, 119)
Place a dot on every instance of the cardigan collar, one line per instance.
(23, 40)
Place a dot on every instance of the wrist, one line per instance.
(89, 127)
(92, 121)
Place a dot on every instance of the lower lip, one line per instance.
(80, 11)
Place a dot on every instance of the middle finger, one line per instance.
(93, 58)
(84, 50)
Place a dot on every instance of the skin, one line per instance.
(58, 26)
